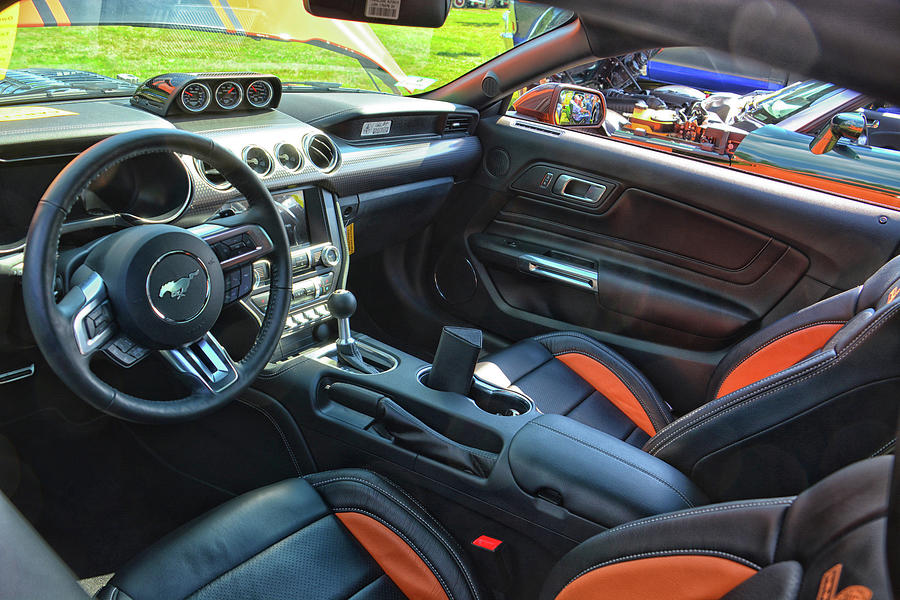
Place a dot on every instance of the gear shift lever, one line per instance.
(342, 304)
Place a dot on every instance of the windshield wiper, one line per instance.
(59, 93)
(322, 86)
(325, 85)
(40, 83)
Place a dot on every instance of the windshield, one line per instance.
(791, 100)
(81, 48)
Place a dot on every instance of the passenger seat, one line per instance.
(790, 404)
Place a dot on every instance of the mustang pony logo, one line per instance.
(829, 584)
(179, 287)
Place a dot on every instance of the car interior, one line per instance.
(353, 345)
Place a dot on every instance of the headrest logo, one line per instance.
(829, 584)
(892, 295)
(179, 287)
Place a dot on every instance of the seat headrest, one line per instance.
(882, 288)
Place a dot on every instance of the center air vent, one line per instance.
(457, 123)
(258, 160)
(288, 156)
(211, 175)
(322, 152)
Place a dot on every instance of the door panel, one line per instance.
(672, 262)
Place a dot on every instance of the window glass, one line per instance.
(106, 47)
(736, 113)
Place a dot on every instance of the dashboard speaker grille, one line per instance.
(322, 152)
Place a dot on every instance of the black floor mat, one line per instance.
(95, 494)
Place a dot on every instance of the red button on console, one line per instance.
(488, 543)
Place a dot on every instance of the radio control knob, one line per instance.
(330, 256)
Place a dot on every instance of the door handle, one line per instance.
(582, 190)
(560, 271)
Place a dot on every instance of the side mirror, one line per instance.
(564, 105)
(843, 125)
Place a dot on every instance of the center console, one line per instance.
(313, 229)
(485, 455)
(433, 426)
(435, 421)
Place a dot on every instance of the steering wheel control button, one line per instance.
(125, 352)
(178, 287)
(238, 283)
(97, 321)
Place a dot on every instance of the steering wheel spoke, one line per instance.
(88, 308)
(205, 364)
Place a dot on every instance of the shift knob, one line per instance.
(342, 304)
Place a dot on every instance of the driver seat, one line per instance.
(351, 534)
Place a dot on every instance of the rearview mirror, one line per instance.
(413, 13)
(563, 105)
(843, 125)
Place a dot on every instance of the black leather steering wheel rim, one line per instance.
(52, 330)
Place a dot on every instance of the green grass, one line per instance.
(469, 38)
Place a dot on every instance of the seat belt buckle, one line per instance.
(491, 553)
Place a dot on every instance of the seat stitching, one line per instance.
(772, 341)
(674, 552)
(405, 539)
(884, 448)
(618, 458)
(740, 402)
(702, 412)
(416, 516)
(812, 370)
(277, 427)
(701, 511)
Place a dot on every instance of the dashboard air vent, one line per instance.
(258, 160)
(211, 175)
(457, 123)
(288, 156)
(322, 152)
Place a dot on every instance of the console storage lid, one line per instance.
(595, 475)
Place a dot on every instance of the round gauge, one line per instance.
(259, 93)
(195, 97)
(258, 160)
(288, 156)
(229, 95)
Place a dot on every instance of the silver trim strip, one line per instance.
(17, 374)
(560, 271)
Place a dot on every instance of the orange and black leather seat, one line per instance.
(352, 534)
(790, 404)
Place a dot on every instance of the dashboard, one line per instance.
(323, 164)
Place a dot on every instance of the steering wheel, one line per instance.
(155, 287)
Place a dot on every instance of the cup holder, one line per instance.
(491, 399)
